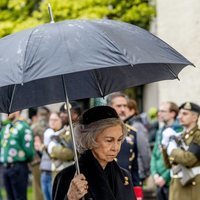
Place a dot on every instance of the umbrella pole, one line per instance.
(68, 108)
(71, 130)
(72, 134)
(71, 126)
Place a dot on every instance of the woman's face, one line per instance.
(55, 122)
(109, 144)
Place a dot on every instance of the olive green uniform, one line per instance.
(60, 150)
(63, 151)
(188, 159)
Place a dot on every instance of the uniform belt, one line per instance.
(194, 170)
(46, 171)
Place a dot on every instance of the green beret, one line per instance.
(190, 106)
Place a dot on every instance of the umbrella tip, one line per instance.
(194, 65)
(50, 13)
(178, 78)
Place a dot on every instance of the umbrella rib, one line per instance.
(29, 37)
(114, 43)
(12, 97)
(172, 72)
(98, 83)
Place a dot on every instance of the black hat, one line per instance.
(98, 113)
(190, 106)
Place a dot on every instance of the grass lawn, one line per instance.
(30, 193)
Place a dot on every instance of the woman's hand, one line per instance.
(78, 187)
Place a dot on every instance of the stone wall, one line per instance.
(178, 23)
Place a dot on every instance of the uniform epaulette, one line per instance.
(130, 128)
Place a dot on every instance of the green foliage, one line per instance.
(16, 15)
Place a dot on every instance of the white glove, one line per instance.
(172, 145)
(167, 133)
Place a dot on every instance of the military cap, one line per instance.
(98, 113)
(74, 106)
(190, 106)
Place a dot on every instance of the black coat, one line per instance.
(112, 183)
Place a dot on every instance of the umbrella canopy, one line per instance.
(85, 58)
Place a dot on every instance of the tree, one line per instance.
(16, 15)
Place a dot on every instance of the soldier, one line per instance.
(128, 155)
(76, 111)
(184, 155)
(167, 114)
(16, 148)
(60, 148)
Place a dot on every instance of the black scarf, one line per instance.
(112, 183)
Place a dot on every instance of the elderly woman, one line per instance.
(99, 135)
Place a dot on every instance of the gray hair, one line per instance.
(85, 135)
(114, 95)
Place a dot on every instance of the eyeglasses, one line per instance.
(163, 111)
(54, 120)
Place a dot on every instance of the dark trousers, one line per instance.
(15, 179)
(162, 193)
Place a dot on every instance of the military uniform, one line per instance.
(158, 163)
(60, 149)
(188, 159)
(185, 164)
(143, 147)
(127, 157)
(16, 143)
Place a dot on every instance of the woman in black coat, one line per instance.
(99, 135)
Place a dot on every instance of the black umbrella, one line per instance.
(88, 58)
(79, 59)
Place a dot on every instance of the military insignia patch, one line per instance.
(67, 133)
(126, 181)
(132, 156)
(187, 136)
(187, 106)
(129, 140)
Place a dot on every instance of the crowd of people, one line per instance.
(114, 147)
